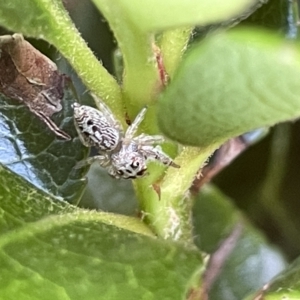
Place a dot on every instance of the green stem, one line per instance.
(89, 68)
(168, 209)
(140, 77)
(173, 45)
(141, 82)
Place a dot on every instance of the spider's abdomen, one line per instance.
(95, 128)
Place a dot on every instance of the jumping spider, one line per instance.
(123, 155)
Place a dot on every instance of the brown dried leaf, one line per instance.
(31, 77)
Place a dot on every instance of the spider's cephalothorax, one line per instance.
(123, 155)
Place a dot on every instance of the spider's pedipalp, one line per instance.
(145, 139)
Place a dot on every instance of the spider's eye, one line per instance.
(120, 172)
(135, 164)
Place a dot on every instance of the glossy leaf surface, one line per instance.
(52, 250)
(29, 149)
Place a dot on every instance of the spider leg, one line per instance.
(156, 154)
(52, 126)
(107, 113)
(82, 140)
(103, 160)
(130, 132)
(147, 140)
(112, 172)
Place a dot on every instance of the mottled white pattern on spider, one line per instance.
(123, 155)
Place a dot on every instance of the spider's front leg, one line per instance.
(108, 113)
(156, 154)
(148, 140)
(131, 130)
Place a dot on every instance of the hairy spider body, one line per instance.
(123, 155)
(95, 128)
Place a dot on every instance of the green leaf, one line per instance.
(76, 257)
(133, 22)
(77, 254)
(251, 261)
(232, 83)
(154, 15)
(22, 203)
(29, 149)
(47, 19)
(285, 286)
